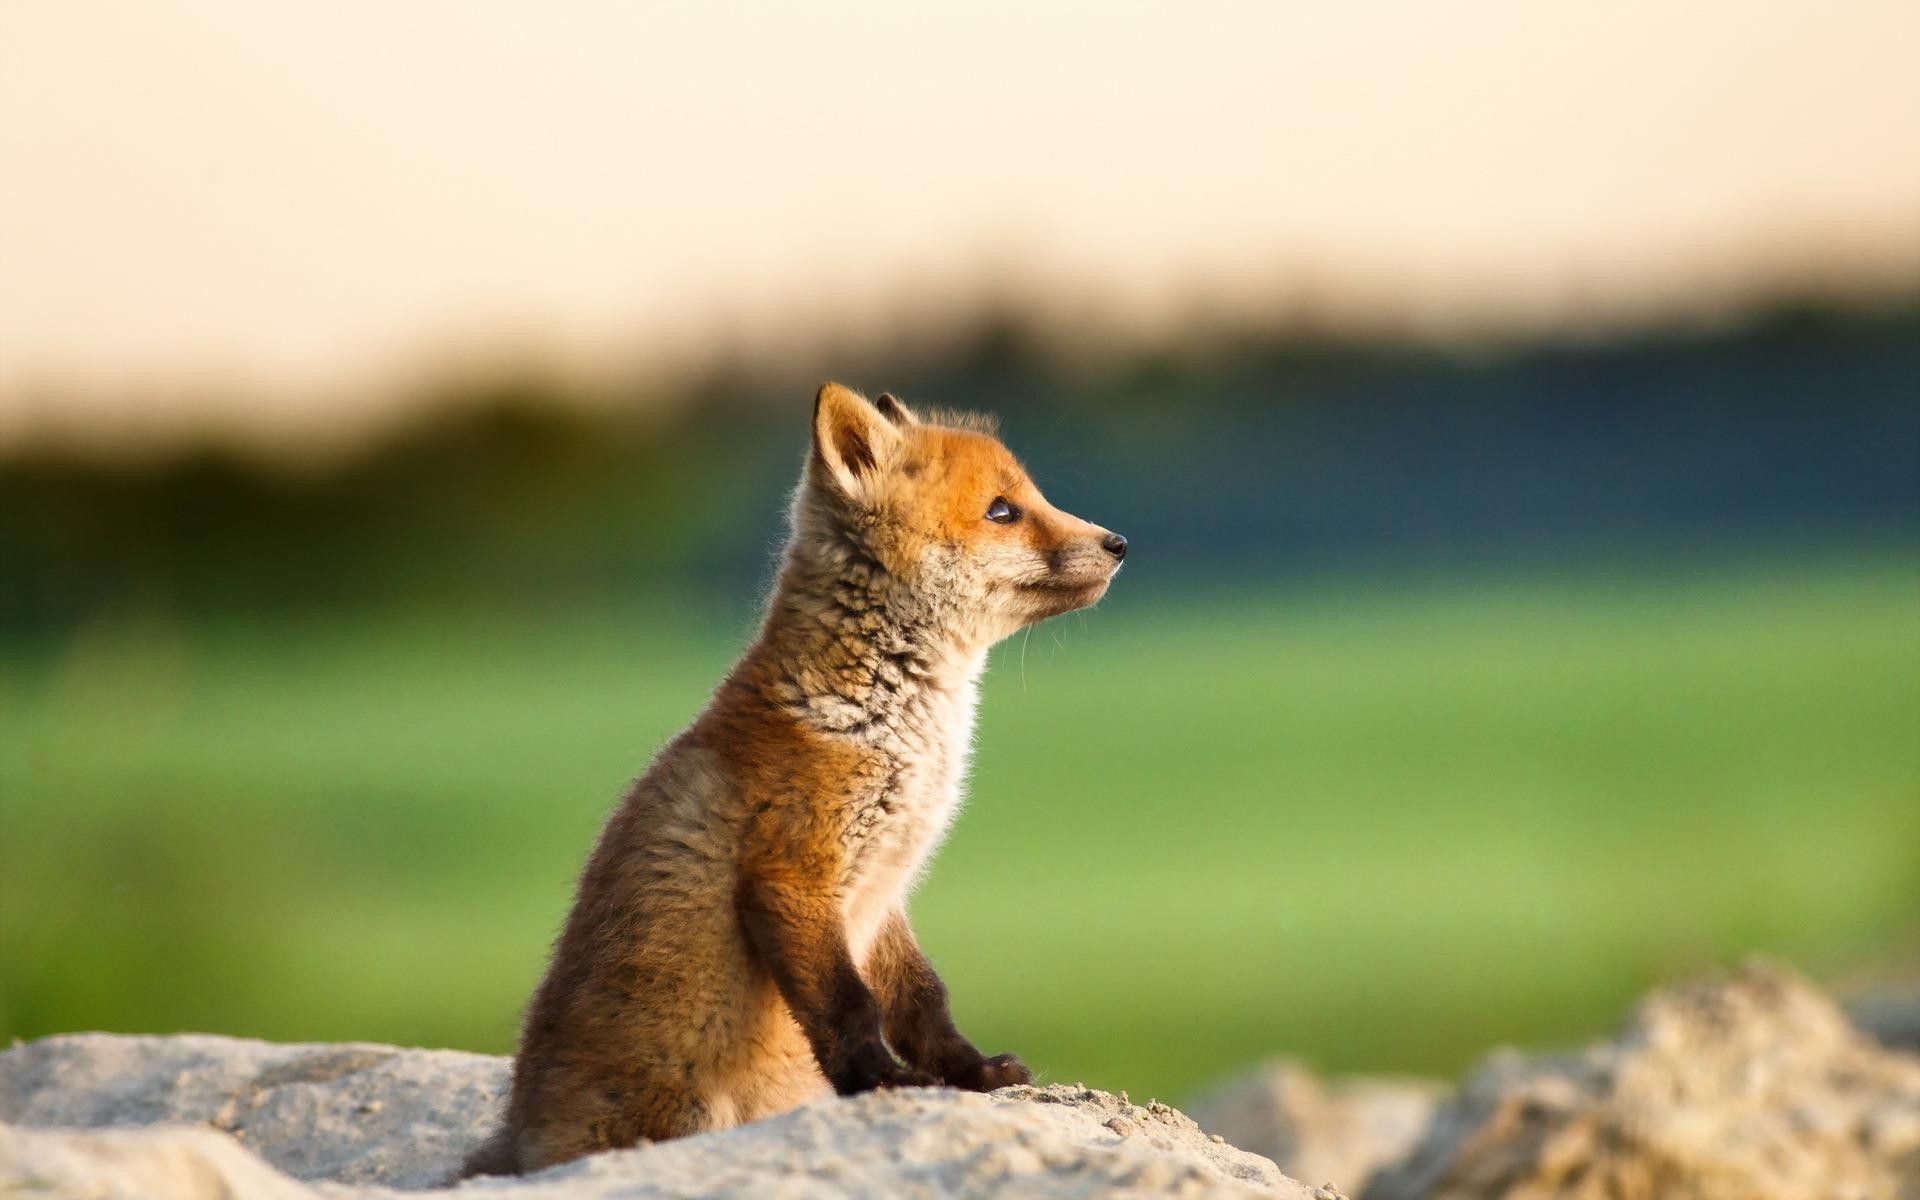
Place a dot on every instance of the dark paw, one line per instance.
(901, 1077)
(873, 1066)
(1002, 1070)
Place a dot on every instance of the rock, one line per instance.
(1341, 1130)
(353, 1113)
(162, 1163)
(106, 1117)
(1750, 1087)
(1889, 1012)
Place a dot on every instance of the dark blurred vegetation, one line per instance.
(1256, 457)
(1448, 698)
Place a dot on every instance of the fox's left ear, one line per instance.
(891, 408)
(852, 441)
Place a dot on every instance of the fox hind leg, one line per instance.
(598, 1117)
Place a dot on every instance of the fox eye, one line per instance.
(1002, 513)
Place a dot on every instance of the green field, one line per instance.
(1378, 824)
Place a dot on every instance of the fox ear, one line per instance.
(852, 441)
(891, 408)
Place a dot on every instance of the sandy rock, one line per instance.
(1019, 1142)
(186, 1116)
(353, 1113)
(161, 1163)
(1318, 1130)
(1889, 1012)
(1752, 1087)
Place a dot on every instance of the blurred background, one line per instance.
(1515, 412)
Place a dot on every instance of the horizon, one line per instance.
(222, 242)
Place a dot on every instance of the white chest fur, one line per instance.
(893, 834)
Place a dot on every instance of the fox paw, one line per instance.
(901, 1077)
(874, 1066)
(1002, 1070)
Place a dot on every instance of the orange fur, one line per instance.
(739, 940)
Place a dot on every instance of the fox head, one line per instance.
(945, 510)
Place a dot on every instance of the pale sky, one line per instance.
(304, 203)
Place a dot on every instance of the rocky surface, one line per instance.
(1889, 1012)
(1342, 1130)
(105, 1117)
(354, 1113)
(1750, 1087)
(1753, 1086)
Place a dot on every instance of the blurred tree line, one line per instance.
(1244, 456)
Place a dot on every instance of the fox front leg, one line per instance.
(918, 1022)
(796, 930)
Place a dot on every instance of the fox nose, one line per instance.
(1115, 545)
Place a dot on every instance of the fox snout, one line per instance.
(1104, 556)
(1095, 551)
(1076, 570)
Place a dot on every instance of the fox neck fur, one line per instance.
(848, 651)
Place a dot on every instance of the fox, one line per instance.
(738, 942)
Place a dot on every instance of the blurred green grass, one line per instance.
(1378, 823)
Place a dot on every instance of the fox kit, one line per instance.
(739, 940)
